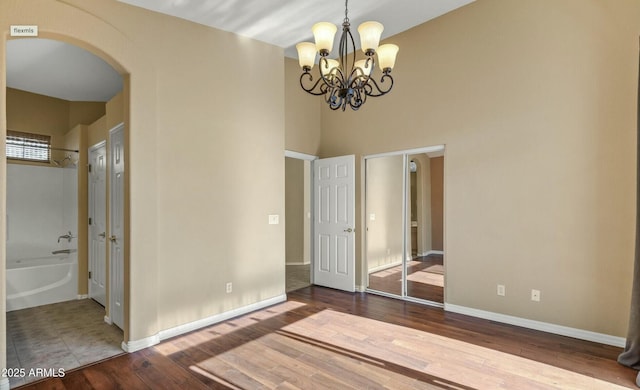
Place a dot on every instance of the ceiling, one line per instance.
(67, 72)
(60, 70)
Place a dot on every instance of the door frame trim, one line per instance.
(125, 287)
(91, 149)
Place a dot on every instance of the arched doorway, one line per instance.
(42, 331)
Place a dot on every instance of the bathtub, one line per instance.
(41, 280)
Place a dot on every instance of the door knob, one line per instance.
(112, 238)
(103, 234)
(348, 230)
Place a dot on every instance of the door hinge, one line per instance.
(89, 220)
(89, 167)
(89, 274)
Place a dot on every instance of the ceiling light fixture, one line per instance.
(346, 81)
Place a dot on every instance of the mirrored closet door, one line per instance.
(404, 206)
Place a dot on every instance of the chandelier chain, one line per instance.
(346, 11)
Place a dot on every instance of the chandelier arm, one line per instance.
(314, 90)
(334, 99)
(359, 98)
(375, 89)
(336, 81)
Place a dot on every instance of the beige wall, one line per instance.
(536, 104)
(437, 202)
(39, 114)
(535, 101)
(384, 233)
(190, 230)
(97, 131)
(294, 202)
(302, 114)
(85, 113)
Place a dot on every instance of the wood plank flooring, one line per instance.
(327, 339)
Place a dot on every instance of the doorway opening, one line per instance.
(298, 264)
(55, 333)
(404, 212)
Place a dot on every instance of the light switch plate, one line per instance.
(274, 219)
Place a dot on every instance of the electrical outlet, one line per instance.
(501, 290)
(229, 287)
(274, 219)
(535, 295)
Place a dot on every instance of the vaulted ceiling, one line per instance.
(67, 72)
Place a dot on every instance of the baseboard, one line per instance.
(4, 384)
(107, 319)
(191, 326)
(136, 345)
(298, 263)
(360, 288)
(82, 296)
(538, 325)
(386, 266)
(433, 253)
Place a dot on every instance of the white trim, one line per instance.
(538, 325)
(299, 156)
(428, 149)
(409, 298)
(432, 252)
(360, 288)
(136, 345)
(82, 296)
(191, 326)
(384, 266)
(298, 263)
(4, 384)
(107, 319)
(97, 145)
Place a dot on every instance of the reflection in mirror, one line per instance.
(425, 268)
(384, 223)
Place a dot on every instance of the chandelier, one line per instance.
(346, 82)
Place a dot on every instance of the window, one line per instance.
(27, 146)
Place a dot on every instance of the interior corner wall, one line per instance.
(437, 202)
(302, 113)
(85, 113)
(194, 224)
(536, 104)
(294, 212)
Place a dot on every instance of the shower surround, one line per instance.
(42, 205)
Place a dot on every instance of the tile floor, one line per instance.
(297, 276)
(63, 335)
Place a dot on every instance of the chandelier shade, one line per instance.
(324, 34)
(370, 33)
(346, 81)
(387, 56)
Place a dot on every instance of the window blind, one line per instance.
(28, 146)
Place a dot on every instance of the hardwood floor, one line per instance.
(425, 279)
(323, 338)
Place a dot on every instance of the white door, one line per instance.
(116, 225)
(97, 223)
(334, 223)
